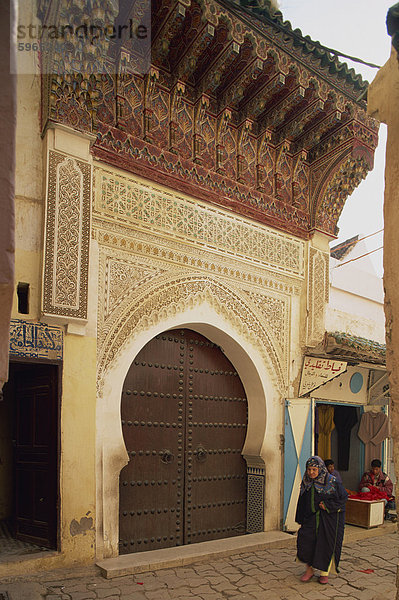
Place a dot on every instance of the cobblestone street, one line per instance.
(368, 572)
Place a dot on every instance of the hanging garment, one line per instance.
(345, 418)
(373, 430)
(326, 425)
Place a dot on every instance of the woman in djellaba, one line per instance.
(321, 515)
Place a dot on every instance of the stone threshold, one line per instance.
(152, 560)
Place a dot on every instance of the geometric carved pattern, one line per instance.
(155, 249)
(318, 294)
(67, 234)
(127, 201)
(122, 278)
(255, 503)
(67, 237)
(171, 294)
(276, 311)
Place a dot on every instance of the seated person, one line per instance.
(331, 469)
(375, 477)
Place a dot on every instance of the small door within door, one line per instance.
(35, 453)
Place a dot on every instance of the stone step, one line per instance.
(140, 562)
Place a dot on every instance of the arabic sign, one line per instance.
(35, 340)
(316, 371)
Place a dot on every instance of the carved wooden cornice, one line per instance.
(228, 88)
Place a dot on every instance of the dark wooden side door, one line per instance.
(184, 420)
(35, 444)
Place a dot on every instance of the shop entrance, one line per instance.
(336, 427)
(184, 422)
(29, 456)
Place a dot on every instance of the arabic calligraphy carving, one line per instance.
(35, 340)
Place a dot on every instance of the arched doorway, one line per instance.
(184, 423)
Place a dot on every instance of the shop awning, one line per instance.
(344, 346)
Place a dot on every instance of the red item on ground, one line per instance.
(373, 494)
(367, 571)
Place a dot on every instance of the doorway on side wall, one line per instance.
(29, 459)
(339, 441)
(184, 421)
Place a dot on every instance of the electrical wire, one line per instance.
(309, 42)
(348, 243)
(358, 257)
(332, 51)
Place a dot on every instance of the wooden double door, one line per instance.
(29, 431)
(184, 422)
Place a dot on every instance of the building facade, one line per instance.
(172, 265)
(343, 411)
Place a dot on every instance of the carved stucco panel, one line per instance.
(276, 312)
(67, 234)
(170, 294)
(125, 200)
(123, 277)
(67, 237)
(318, 294)
(162, 254)
(156, 251)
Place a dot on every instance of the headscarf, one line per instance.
(324, 483)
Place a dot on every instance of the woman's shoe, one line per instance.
(307, 576)
(323, 579)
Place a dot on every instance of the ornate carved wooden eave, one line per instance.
(238, 110)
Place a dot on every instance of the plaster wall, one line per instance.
(356, 303)
(383, 103)
(29, 197)
(355, 316)
(29, 158)
(77, 477)
(359, 282)
(28, 254)
(78, 386)
(7, 177)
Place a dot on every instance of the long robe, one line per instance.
(326, 425)
(373, 430)
(320, 536)
(345, 418)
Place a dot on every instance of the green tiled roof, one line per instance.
(350, 346)
(264, 11)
